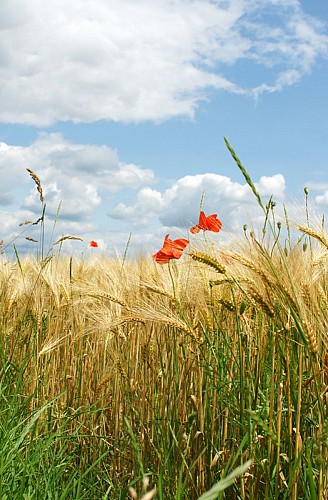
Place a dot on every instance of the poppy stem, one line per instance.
(172, 280)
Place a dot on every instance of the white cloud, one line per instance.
(179, 205)
(148, 205)
(81, 179)
(322, 199)
(148, 60)
(274, 185)
(104, 199)
(74, 173)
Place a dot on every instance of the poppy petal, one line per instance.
(202, 223)
(213, 224)
(178, 247)
(170, 250)
(210, 223)
(167, 247)
(161, 258)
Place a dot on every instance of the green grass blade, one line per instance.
(214, 492)
(245, 173)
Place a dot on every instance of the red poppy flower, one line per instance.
(93, 244)
(170, 250)
(210, 223)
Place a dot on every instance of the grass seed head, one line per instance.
(64, 238)
(37, 182)
(209, 261)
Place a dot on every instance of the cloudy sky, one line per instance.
(121, 106)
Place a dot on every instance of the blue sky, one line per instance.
(121, 107)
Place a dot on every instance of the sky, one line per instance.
(121, 108)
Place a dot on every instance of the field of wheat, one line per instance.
(157, 378)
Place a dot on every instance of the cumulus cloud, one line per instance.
(80, 175)
(146, 60)
(78, 180)
(106, 199)
(274, 185)
(179, 205)
(148, 205)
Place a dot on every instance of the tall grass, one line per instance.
(117, 378)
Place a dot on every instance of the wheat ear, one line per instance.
(318, 236)
(209, 261)
(37, 182)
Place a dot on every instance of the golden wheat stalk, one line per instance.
(311, 338)
(174, 324)
(131, 319)
(156, 316)
(63, 238)
(250, 265)
(105, 295)
(291, 302)
(101, 385)
(227, 304)
(314, 234)
(51, 344)
(266, 308)
(208, 260)
(155, 289)
(234, 280)
(37, 182)
(121, 368)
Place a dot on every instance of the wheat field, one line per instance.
(198, 377)
(115, 371)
